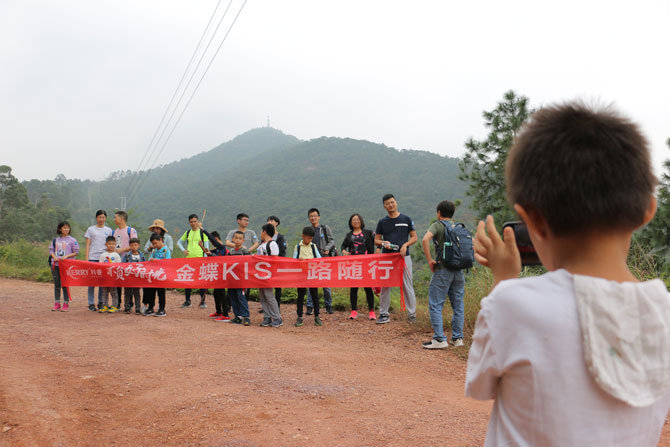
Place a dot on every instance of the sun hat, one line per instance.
(158, 223)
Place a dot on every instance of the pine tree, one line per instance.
(483, 165)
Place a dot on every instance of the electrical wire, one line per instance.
(146, 173)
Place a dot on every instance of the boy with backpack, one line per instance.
(221, 301)
(445, 281)
(267, 296)
(306, 249)
(579, 355)
(196, 246)
(132, 293)
(123, 234)
(237, 297)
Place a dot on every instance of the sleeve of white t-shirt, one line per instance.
(483, 370)
(274, 249)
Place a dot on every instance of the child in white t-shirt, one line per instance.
(110, 255)
(579, 355)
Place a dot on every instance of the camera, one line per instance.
(523, 243)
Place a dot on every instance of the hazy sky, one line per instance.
(83, 84)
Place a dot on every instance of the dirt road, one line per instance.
(87, 379)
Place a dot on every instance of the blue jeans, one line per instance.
(445, 283)
(238, 301)
(327, 298)
(91, 292)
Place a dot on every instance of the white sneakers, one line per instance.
(434, 344)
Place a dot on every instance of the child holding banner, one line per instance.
(110, 255)
(237, 297)
(62, 247)
(267, 296)
(160, 251)
(306, 249)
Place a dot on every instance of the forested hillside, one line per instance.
(265, 171)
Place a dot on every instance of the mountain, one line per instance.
(266, 172)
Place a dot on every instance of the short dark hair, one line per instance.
(122, 214)
(215, 234)
(241, 215)
(387, 196)
(351, 227)
(59, 229)
(239, 232)
(313, 210)
(110, 239)
(446, 208)
(156, 237)
(581, 168)
(269, 229)
(134, 240)
(275, 218)
(192, 216)
(308, 231)
(99, 212)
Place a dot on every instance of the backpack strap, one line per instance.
(313, 249)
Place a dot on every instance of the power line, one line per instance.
(188, 84)
(134, 179)
(189, 100)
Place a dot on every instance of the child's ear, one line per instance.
(651, 211)
(533, 220)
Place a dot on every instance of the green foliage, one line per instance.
(25, 260)
(483, 165)
(19, 218)
(656, 236)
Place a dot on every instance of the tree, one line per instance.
(483, 165)
(657, 234)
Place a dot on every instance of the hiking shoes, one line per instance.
(148, 312)
(222, 319)
(434, 344)
(266, 322)
(215, 315)
(65, 307)
(457, 342)
(329, 309)
(277, 323)
(310, 310)
(160, 313)
(56, 307)
(236, 320)
(185, 304)
(103, 309)
(317, 321)
(298, 322)
(91, 307)
(372, 315)
(411, 319)
(383, 319)
(203, 305)
(113, 310)
(353, 315)
(247, 322)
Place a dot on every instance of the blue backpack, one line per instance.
(457, 252)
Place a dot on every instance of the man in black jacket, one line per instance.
(323, 238)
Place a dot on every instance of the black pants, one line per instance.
(353, 298)
(55, 273)
(278, 297)
(301, 300)
(221, 301)
(187, 292)
(150, 298)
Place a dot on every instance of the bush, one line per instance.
(25, 260)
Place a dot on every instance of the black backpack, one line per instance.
(457, 252)
(297, 249)
(50, 260)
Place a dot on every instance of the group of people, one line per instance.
(576, 356)
(394, 233)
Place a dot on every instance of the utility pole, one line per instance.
(123, 203)
(268, 121)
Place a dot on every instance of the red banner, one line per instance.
(238, 272)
